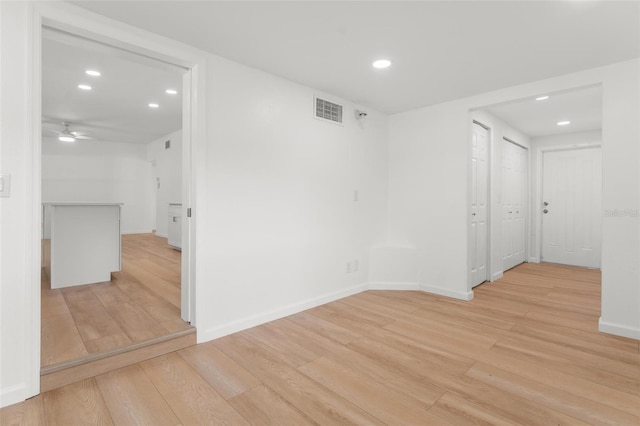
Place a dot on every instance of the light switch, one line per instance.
(5, 185)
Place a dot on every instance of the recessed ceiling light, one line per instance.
(84, 87)
(153, 105)
(542, 98)
(381, 63)
(563, 123)
(171, 92)
(93, 73)
(66, 139)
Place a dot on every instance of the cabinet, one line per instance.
(175, 226)
(81, 242)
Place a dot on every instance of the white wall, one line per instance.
(538, 144)
(498, 131)
(279, 223)
(110, 172)
(167, 169)
(428, 187)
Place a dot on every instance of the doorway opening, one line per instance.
(531, 142)
(113, 136)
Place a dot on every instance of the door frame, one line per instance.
(77, 21)
(528, 207)
(470, 249)
(537, 215)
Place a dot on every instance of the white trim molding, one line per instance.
(294, 308)
(262, 318)
(496, 276)
(460, 295)
(618, 329)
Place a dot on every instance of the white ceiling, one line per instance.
(116, 109)
(582, 107)
(440, 50)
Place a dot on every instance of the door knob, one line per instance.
(545, 211)
(473, 214)
(545, 203)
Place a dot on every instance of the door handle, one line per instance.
(473, 214)
(545, 203)
(545, 211)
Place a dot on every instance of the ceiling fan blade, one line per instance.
(83, 137)
(57, 132)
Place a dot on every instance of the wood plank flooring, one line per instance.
(142, 302)
(525, 351)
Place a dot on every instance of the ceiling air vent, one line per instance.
(328, 111)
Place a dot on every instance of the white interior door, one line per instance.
(572, 198)
(514, 196)
(479, 199)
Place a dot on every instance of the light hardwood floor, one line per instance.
(525, 351)
(142, 302)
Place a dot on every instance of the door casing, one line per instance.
(71, 19)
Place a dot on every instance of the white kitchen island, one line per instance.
(81, 242)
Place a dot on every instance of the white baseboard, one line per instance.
(618, 329)
(533, 259)
(387, 285)
(13, 395)
(143, 231)
(446, 292)
(496, 276)
(159, 234)
(294, 308)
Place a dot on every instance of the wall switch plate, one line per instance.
(5, 185)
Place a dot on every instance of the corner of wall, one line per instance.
(461, 295)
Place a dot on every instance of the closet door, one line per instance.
(479, 200)
(514, 206)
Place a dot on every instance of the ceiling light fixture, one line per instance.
(84, 87)
(171, 92)
(66, 138)
(381, 63)
(93, 73)
(542, 98)
(563, 123)
(153, 105)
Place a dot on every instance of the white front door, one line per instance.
(572, 198)
(514, 196)
(479, 199)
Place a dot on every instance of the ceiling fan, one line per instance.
(67, 135)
